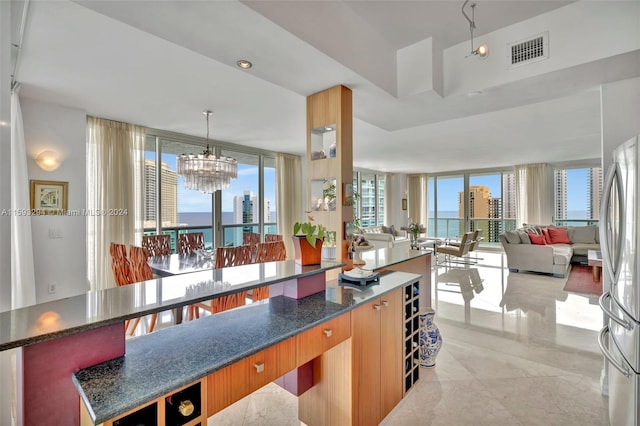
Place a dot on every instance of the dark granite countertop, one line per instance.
(94, 309)
(157, 363)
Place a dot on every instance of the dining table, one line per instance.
(175, 264)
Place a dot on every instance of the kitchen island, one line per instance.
(204, 349)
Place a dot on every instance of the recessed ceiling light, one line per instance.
(244, 64)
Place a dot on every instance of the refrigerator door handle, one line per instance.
(607, 310)
(613, 175)
(605, 351)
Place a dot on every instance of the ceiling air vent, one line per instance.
(533, 49)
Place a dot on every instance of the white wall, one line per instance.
(620, 108)
(395, 191)
(60, 260)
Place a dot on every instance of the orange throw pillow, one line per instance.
(559, 236)
(537, 239)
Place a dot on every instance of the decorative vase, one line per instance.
(430, 339)
(306, 254)
(414, 240)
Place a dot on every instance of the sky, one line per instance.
(448, 189)
(195, 201)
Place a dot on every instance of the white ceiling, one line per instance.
(160, 63)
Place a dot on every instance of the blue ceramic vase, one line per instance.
(430, 339)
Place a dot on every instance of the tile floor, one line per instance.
(517, 350)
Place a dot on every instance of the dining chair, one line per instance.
(251, 239)
(157, 245)
(268, 252)
(189, 243)
(226, 257)
(141, 271)
(272, 237)
(271, 251)
(123, 273)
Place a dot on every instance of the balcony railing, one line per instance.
(231, 234)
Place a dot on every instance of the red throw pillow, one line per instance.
(545, 232)
(537, 239)
(559, 236)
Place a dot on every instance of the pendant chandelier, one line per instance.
(206, 172)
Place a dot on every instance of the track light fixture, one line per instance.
(481, 51)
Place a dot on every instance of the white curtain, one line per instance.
(534, 194)
(115, 165)
(23, 283)
(417, 198)
(289, 196)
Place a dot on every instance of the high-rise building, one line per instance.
(594, 191)
(169, 195)
(509, 196)
(245, 208)
(560, 185)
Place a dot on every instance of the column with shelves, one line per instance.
(330, 163)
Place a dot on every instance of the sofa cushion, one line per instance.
(562, 254)
(559, 235)
(583, 234)
(524, 237)
(512, 237)
(372, 230)
(582, 249)
(388, 230)
(537, 239)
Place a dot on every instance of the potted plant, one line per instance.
(307, 242)
(329, 247)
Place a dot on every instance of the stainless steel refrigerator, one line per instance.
(619, 339)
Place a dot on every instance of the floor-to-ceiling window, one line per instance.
(247, 206)
(369, 208)
(577, 195)
(463, 203)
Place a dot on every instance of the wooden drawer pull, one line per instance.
(328, 332)
(259, 367)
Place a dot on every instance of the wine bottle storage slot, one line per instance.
(183, 406)
(412, 335)
(147, 416)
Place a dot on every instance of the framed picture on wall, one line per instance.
(49, 197)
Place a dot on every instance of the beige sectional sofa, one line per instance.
(554, 258)
(385, 236)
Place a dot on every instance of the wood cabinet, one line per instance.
(238, 380)
(377, 358)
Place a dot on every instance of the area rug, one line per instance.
(581, 281)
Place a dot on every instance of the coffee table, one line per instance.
(594, 258)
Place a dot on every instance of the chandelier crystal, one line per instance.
(206, 172)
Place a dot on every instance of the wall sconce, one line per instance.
(48, 161)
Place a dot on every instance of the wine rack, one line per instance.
(411, 335)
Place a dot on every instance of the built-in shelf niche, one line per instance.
(323, 194)
(323, 142)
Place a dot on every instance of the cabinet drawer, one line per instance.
(321, 338)
(238, 380)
